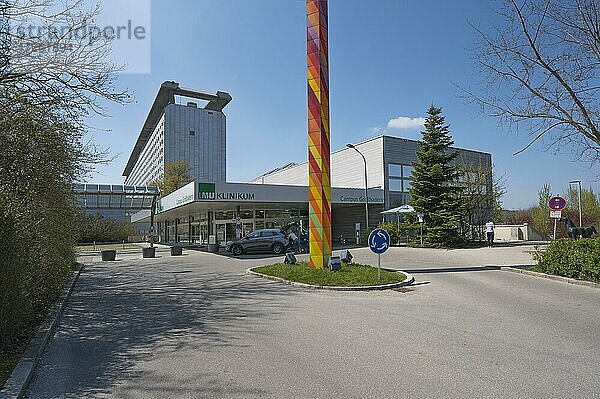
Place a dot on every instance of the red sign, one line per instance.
(557, 203)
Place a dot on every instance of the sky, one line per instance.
(389, 61)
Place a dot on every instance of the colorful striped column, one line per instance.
(319, 187)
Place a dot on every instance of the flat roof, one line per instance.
(382, 136)
(165, 96)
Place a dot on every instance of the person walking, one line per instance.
(489, 231)
(294, 239)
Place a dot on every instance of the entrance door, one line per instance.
(230, 231)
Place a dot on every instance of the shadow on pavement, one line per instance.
(452, 269)
(121, 316)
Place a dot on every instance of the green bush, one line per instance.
(571, 258)
(97, 228)
(39, 158)
(392, 230)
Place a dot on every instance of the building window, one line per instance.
(395, 170)
(192, 133)
(395, 184)
(399, 177)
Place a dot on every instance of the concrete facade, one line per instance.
(181, 132)
(521, 232)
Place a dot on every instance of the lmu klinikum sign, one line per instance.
(206, 191)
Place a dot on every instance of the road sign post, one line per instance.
(556, 205)
(379, 242)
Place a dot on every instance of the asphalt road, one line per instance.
(197, 326)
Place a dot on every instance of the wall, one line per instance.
(150, 164)
(347, 168)
(522, 232)
(205, 149)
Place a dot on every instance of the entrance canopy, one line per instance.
(201, 209)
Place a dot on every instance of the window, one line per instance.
(395, 185)
(399, 177)
(273, 213)
(395, 170)
(192, 133)
(246, 214)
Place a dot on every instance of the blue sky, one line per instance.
(388, 59)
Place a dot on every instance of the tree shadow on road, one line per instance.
(122, 315)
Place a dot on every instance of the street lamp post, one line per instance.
(578, 198)
(366, 186)
(421, 216)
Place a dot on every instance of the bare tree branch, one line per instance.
(56, 57)
(540, 68)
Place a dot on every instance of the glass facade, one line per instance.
(113, 201)
(195, 228)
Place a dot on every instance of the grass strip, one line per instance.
(350, 275)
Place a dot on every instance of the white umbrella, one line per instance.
(398, 211)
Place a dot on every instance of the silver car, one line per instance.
(265, 240)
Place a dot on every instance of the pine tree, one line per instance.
(434, 183)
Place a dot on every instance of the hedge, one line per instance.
(571, 258)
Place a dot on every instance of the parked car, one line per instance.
(265, 240)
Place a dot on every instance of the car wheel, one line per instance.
(236, 250)
(277, 248)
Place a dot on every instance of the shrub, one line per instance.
(571, 258)
(392, 230)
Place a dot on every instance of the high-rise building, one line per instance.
(181, 132)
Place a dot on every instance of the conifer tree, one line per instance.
(434, 183)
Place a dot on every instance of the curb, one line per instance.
(17, 383)
(407, 281)
(552, 277)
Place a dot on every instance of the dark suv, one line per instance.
(266, 240)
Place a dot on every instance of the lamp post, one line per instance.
(366, 186)
(578, 198)
(421, 216)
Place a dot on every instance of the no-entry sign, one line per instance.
(557, 203)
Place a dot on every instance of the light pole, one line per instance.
(420, 215)
(366, 186)
(578, 198)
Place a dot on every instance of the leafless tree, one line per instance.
(540, 69)
(53, 55)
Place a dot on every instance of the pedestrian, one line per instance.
(489, 230)
(294, 239)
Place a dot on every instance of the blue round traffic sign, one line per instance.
(557, 203)
(379, 241)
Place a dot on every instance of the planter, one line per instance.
(214, 248)
(176, 251)
(108, 255)
(148, 252)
